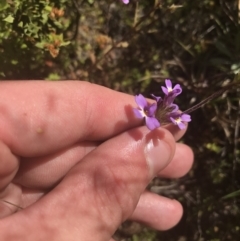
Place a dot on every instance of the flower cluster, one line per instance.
(163, 111)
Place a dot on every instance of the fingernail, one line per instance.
(157, 153)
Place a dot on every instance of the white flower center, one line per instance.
(178, 120)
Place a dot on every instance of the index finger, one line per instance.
(38, 117)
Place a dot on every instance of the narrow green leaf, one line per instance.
(231, 195)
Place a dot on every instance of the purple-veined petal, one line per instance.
(165, 90)
(186, 117)
(138, 113)
(173, 120)
(125, 1)
(141, 101)
(168, 84)
(181, 125)
(152, 123)
(177, 90)
(178, 119)
(152, 109)
(168, 89)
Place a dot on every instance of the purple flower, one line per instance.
(163, 111)
(146, 111)
(169, 90)
(125, 1)
(178, 119)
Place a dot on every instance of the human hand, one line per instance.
(74, 157)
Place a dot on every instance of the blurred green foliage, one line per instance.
(133, 48)
(26, 25)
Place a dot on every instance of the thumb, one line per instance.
(100, 192)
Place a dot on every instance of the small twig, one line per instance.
(211, 97)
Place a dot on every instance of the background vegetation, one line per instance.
(133, 48)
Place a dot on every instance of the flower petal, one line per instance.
(181, 125)
(141, 101)
(173, 120)
(152, 109)
(152, 123)
(177, 90)
(165, 90)
(186, 117)
(168, 83)
(138, 113)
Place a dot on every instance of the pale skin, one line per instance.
(75, 158)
